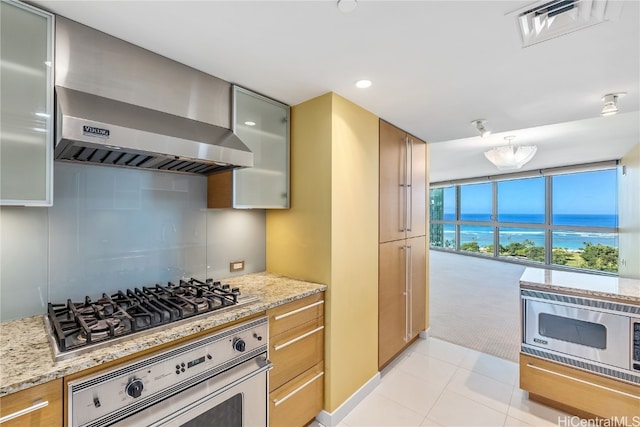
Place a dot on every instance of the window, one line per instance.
(475, 202)
(522, 243)
(567, 220)
(474, 238)
(585, 199)
(442, 202)
(585, 220)
(522, 201)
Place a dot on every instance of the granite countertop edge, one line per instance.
(613, 288)
(19, 372)
(580, 292)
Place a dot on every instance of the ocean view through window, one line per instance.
(567, 220)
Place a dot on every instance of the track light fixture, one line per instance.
(611, 103)
(479, 124)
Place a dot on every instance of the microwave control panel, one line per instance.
(636, 345)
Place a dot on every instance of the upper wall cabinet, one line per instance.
(26, 105)
(263, 125)
(402, 184)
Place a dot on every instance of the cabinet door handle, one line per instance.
(634, 396)
(298, 310)
(24, 411)
(303, 336)
(406, 181)
(407, 250)
(410, 184)
(278, 402)
(410, 286)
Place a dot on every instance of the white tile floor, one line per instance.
(436, 383)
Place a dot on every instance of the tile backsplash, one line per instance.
(115, 228)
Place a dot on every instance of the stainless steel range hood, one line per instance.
(118, 104)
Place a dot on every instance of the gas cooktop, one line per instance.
(77, 327)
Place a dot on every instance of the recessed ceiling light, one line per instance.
(363, 84)
(347, 6)
(249, 123)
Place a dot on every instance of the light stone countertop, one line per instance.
(582, 284)
(26, 357)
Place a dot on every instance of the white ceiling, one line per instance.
(435, 67)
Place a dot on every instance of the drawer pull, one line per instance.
(278, 402)
(298, 310)
(288, 343)
(24, 411)
(529, 365)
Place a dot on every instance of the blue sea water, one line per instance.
(572, 240)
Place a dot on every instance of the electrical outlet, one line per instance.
(236, 266)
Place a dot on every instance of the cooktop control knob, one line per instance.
(134, 388)
(239, 344)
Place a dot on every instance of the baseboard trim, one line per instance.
(425, 334)
(333, 419)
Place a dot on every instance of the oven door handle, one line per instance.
(265, 364)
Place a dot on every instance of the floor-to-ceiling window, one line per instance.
(566, 218)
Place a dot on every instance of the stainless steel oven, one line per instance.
(216, 380)
(591, 334)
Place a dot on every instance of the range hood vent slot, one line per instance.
(549, 19)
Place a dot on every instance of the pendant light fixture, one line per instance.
(510, 157)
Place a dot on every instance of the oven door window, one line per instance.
(575, 331)
(227, 414)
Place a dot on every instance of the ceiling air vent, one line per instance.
(545, 20)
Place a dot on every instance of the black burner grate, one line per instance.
(81, 324)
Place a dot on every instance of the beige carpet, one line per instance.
(474, 302)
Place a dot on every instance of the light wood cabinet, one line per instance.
(40, 405)
(578, 392)
(297, 402)
(402, 184)
(263, 125)
(402, 263)
(296, 349)
(26, 99)
(401, 294)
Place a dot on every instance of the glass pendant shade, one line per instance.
(511, 157)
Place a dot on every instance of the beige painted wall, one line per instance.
(298, 239)
(330, 234)
(629, 214)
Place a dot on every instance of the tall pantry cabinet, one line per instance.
(402, 276)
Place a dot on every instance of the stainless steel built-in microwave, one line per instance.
(595, 335)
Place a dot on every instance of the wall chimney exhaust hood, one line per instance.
(118, 104)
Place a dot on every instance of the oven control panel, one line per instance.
(138, 383)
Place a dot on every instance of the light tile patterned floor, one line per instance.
(436, 383)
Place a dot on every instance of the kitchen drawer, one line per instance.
(569, 388)
(298, 401)
(295, 313)
(45, 400)
(295, 351)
